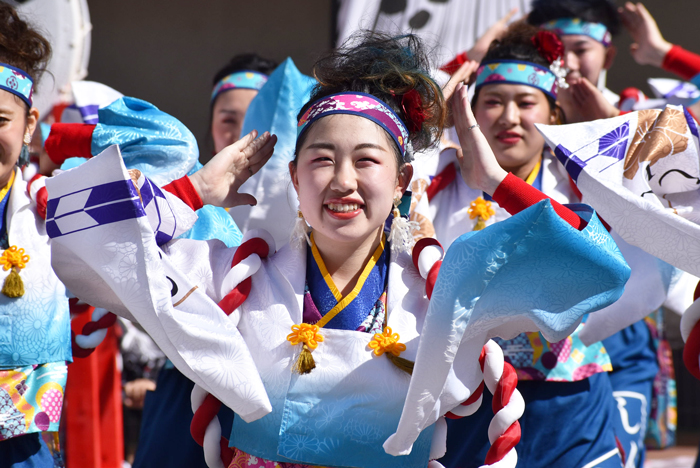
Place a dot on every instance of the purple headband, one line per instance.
(363, 105)
(17, 82)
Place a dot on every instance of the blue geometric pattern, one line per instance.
(614, 143)
(92, 207)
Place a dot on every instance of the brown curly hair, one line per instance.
(22, 46)
(386, 67)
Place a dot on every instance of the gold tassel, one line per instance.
(480, 224)
(403, 364)
(14, 286)
(305, 363)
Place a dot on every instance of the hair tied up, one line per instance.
(413, 110)
(548, 45)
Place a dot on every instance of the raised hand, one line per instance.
(464, 74)
(478, 164)
(496, 31)
(649, 47)
(217, 183)
(584, 102)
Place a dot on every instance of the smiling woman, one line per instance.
(34, 322)
(356, 323)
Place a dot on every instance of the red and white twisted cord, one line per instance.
(93, 332)
(499, 376)
(205, 427)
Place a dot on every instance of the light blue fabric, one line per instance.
(275, 110)
(34, 328)
(150, 140)
(164, 150)
(489, 273)
(213, 223)
(696, 81)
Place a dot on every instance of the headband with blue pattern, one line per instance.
(576, 26)
(517, 72)
(17, 82)
(245, 79)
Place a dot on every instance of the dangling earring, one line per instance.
(24, 154)
(300, 233)
(401, 236)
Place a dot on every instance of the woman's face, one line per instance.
(507, 115)
(227, 116)
(14, 125)
(346, 177)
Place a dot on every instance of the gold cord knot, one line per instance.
(13, 258)
(482, 210)
(387, 342)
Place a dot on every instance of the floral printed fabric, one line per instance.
(568, 360)
(244, 460)
(363, 105)
(31, 399)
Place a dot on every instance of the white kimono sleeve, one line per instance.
(104, 249)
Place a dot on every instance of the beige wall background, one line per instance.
(166, 51)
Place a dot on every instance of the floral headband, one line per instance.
(246, 79)
(363, 105)
(17, 82)
(517, 72)
(576, 26)
(549, 80)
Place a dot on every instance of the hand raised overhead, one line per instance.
(217, 183)
(478, 164)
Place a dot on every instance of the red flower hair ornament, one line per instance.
(551, 49)
(413, 110)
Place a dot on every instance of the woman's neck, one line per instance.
(524, 171)
(346, 260)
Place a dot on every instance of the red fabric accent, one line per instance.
(42, 198)
(441, 181)
(256, 245)
(432, 278)
(227, 452)
(471, 400)
(623, 455)
(77, 351)
(203, 416)
(454, 64)
(420, 245)
(501, 397)
(69, 140)
(696, 294)
(503, 444)
(236, 297)
(183, 189)
(36, 177)
(505, 388)
(631, 93)
(93, 404)
(210, 406)
(691, 352)
(476, 395)
(514, 195)
(77, 307)
(239, 294)
(681, 62)
(106, 321)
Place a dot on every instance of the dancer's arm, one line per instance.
(481, 170)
